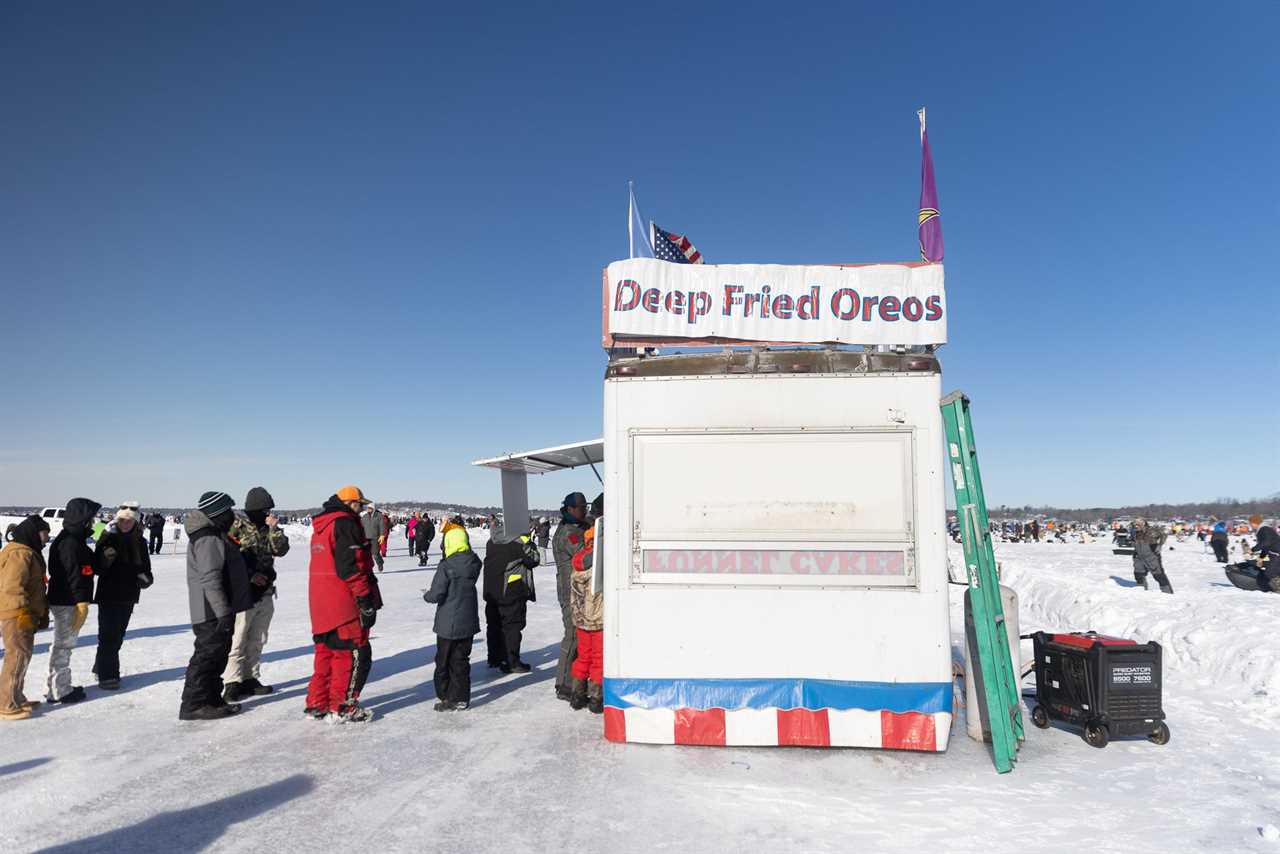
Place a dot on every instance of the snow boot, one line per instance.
(233, 692)
(563, 693)
(1166, 588)
(578, 700)
(254, 688)
(314, 713)
(459, 706)
(355, 714)
(1142, 582)
(19, 714)
(208, 713)
(441, 706)
(109, 684)
(75, 695)
(595, 698)
(519, 667)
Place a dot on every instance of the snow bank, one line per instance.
(1216, 638)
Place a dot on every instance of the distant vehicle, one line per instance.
(54, 517)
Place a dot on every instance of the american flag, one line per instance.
(674, 247)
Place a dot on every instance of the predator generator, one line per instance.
(1109, 686)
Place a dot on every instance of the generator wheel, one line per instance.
(1096, 735)
(1160, 736)
(1040, 717)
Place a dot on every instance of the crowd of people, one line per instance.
(231, 576)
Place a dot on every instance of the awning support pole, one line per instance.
(515, 503)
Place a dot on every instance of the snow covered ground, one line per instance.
(521, 772)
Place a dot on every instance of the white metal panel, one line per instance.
(700, 631)
(773, 484)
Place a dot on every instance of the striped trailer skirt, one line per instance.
(779, 712)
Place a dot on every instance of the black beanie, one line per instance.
(574, 499)
(215, 504)
(28, 531)
(259, 499)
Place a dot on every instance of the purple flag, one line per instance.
(930, 223)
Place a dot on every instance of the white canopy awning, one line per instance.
(546, 460)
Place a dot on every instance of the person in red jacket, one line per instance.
(344, 601)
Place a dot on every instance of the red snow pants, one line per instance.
(589, 664)
(343, 659)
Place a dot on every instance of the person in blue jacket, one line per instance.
(1218, 541)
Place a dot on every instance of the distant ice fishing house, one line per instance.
(774, 536)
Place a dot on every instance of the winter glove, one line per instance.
(26, 620)
(226, 624)
(368, 614)
(144, 580)
(82, 614)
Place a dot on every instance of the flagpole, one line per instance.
(920, 115)
(631, 207)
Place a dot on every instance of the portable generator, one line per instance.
(1109, 686)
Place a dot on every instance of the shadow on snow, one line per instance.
(194, 828)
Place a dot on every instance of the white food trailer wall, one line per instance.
(775, 564)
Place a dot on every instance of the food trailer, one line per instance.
(773, 544)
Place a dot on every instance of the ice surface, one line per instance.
(521, 772)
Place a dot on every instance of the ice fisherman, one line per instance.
(457, 620)
(23, 609)
(70, 592)
(344, 598)
(218, 589)
(587, 605)
(1219, 541)
(1266, 554)
(122, 562)
(1147, 541)
(508, 590)
(568, 541)
(261, 541)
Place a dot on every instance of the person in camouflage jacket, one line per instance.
(586, 604)
(1147, 541)
(261, 541)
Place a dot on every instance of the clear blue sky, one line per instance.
(309, 244)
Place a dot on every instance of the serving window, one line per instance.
(773, 507)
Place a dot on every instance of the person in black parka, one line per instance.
(70, 592)
(423, 533)
(508, 590)
(155, 526)
(122, 562)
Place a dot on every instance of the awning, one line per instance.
(546, 460)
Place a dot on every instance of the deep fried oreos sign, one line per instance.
(873, 304)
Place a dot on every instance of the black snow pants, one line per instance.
(1219, 549)
(204, 672)
(113, 622)
(1145, 560)
(453, 669)
(504, 630)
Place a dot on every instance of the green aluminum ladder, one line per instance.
(989, 646)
